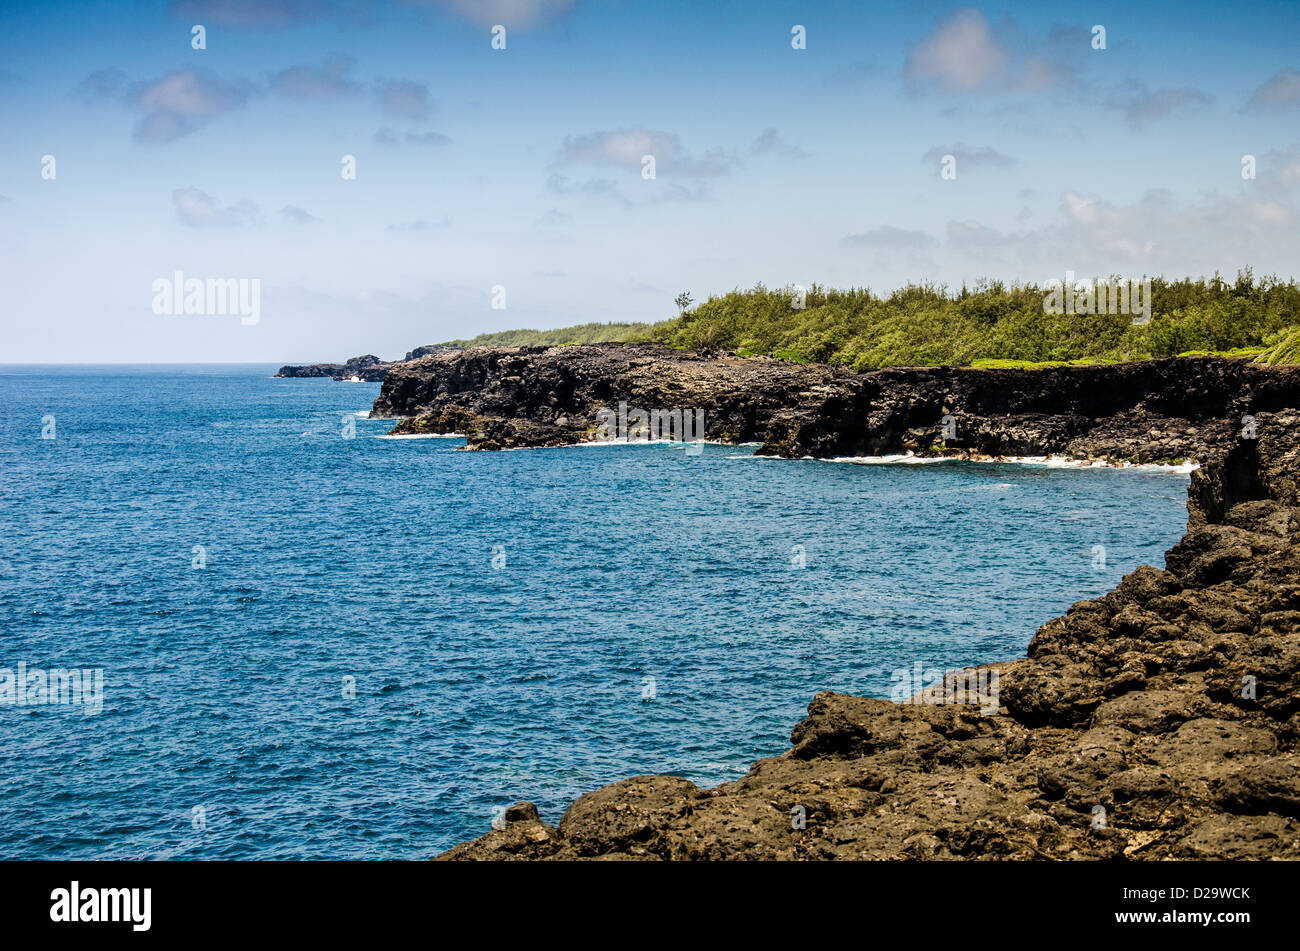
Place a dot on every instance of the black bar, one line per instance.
(948, 900)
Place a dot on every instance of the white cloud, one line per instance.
(182, 101)
(960, 54)
(513, 14)
(1154, 235)
(198, 209)
(626, 148)
(964, 54)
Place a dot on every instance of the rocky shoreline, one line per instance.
(367, 369)
(1158, 721)
(1155, 411)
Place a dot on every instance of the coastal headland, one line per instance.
(1158, 721)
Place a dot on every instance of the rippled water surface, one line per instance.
(329, 558)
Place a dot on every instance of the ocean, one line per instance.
(315, 642)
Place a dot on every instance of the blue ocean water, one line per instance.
(619, 572)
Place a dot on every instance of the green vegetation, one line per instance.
(1284, 347)
(990, 325)
(1021, 364)
(582, 333)
(929, 325)
(1234, 352)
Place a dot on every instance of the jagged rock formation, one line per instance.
(368, 368)
(429, 350)
(1158, 721)
(1159, 410)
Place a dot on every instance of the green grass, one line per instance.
(1234, 352)
(988, 364)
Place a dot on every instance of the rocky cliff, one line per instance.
(1158, 721)
(368, 368)
(1150, 411)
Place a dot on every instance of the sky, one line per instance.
(500, 188)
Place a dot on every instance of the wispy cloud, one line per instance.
(769, 142)
(968, 157)
(1282, 91)
(1141, 104)
(971, 235)
(297, 216)
(626, 148)
(325, 83)
(553, 218)
(180, 102)
(1154, 234)
(889, 237)
(563, 185)
(198, 209)
(1286, 164)
(854, 74)
(103, 84)
(403, 98)
(421, 224)
(513, 14)
(389, 137)
(173, 105)
(252, 14)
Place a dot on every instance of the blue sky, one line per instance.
(521, 167)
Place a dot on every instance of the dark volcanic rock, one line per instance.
(436, 349)
(369, 368)
(1160, 410)
(311, 370)
(1158, 721)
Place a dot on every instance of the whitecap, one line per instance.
(906, 459)
(421, 436)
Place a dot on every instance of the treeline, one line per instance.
(992, 323)
(581, 333)
(927, 324)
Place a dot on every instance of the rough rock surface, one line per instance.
(1159, 410)
(1158, 721)
(368, 368)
